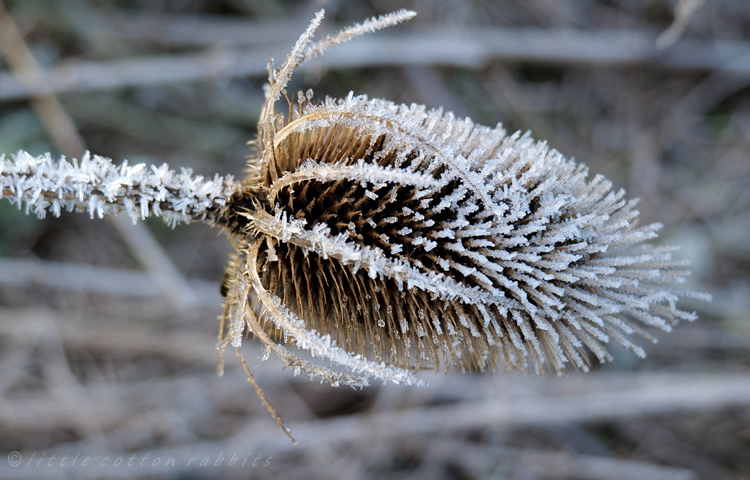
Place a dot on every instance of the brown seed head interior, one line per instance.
(385, 238)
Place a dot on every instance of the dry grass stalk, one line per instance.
(386, 238)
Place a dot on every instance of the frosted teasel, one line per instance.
(382, 239)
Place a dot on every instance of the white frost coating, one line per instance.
(96, 185)
(279, 79)
(318, 346)
(377, 118)
(368, 26)
(303, 51)
(239, 298)
(371, 259)
(372, 174)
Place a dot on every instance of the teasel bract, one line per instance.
(373, 239)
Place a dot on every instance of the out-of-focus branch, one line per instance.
(73, 277)
(683, 11)
(552, 464)
(430, 47)
(636, 395)
(558, 403)
(64, 134)
(186, 29)
(28, 326)
(157, 69)
(27, 72)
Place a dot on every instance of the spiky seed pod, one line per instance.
(387, 238)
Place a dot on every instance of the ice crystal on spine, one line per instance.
(97, 186)
(383, 238)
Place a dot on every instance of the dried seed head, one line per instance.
(383, 238)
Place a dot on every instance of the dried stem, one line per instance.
(262, 396)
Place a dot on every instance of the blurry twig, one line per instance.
(710, 91)
(94, 279)
(151, 255)
(102, 75)
(65, 135)
(141, 124)
(184, 30)
(550, 464)
(27, 72)
(29, 327)
(433, 91)
(663, 445)
(637, 395)
(683, 11)
(434, 47)
(506, 92)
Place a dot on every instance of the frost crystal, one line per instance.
(99, 187)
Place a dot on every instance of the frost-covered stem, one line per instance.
(96, 185)
(368, 26)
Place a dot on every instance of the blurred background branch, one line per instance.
(443, 46)
(64, 134)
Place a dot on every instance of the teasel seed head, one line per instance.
(373, 239)
(388, 238)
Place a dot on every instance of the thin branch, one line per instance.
(74, 277)
(368, 26)
(28, 326)
(444, 47)
(26, 71)
(96, 185)
(636, 396)
(684, 10)
(65, 135)
(538, 403)
(553, 464)
(176, 29)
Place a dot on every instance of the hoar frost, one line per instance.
(382, 238)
